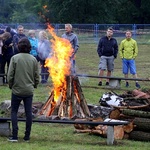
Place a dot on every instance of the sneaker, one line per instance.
(137, 85)
(100, 83)
(107, 83)
(26, 139)
(12, 139)
(127, 84)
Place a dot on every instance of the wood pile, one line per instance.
(70, 104)
(134, 108)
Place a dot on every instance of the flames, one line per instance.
(59, 63)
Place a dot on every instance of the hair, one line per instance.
(68, 25)
(20, 26)
(8, 29)
(43, 35)
(24, 45)
(110, 28)
(128, 31)
(31, 32)
(6, 35)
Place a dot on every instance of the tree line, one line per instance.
(75, 11)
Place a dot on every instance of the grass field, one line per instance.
(62, 137)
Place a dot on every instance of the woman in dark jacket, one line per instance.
(7, 51)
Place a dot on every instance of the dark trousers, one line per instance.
(44, 72)
(15, 102)
(73, 67)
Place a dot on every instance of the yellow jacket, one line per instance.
(128, 49)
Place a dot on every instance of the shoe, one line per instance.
(12, 139)
(137, 85)
(127, 84)
(107, 83)
(100, 83)
(26, 139)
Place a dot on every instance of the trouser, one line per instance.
(44, 72)
(73, 66)
(15, 102)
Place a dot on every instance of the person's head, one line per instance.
(128, 34)
(8, 29)
(109, 32)
(24, 45)
(20, 29)
(68, 28)
(6, 35)
(42, 35)
(31, 33)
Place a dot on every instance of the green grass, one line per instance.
(62, 137)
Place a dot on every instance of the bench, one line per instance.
(5, 124)
(114, 82)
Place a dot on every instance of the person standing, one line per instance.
(20, 34)
(128, 51)
(43, 51)
(107, 51)
(34, 43)
(7, 52)
(22, 77)
(72, 37)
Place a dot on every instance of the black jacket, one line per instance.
(107, 47)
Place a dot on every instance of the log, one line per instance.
(118, 132)
(83, 131)
(81, 126)
(140, 94)
(114, 114)
(142, 124)
(136, 113)
(131, 107)
(129, 127)
(139, 136)
(80, 95)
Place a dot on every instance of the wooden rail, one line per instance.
(110, 131)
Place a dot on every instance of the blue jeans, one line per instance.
(128, 64)
(15, 102)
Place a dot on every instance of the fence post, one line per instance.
(56, 28)
(134, 30)
(96, 32)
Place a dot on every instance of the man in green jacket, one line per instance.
(128, 52)
(22, 77)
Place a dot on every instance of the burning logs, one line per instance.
(71, 102)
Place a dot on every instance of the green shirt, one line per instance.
(23, 74)
(128, 49)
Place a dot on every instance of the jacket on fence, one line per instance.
(107, 47)
(73, 40)
(23, 64)
(34, 46)
(128, 49)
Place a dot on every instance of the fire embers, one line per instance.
(71, 102)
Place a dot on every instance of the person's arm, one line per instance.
(115, 49)
(36, 75)
(11, 73)
(135, 50)
(76, 43)
(121, 50)
(99, 48)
